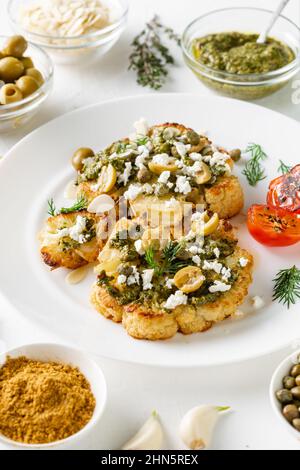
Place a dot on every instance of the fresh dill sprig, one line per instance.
(79, 205)
(51, 208)
(170, 263)
(287, 286)
(283, 168)
(253, 170)
(150, 56)
(149, 258)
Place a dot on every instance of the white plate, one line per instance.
(38, 168)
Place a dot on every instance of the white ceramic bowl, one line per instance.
(276, 384)
(77, 358)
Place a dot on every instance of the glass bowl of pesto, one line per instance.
(220, 48)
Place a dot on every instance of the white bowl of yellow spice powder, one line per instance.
(51, 396)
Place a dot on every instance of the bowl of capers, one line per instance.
(285, 393)
(26, 76)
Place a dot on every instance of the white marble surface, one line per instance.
(134, 391)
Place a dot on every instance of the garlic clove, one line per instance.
(149, 437)
(197, 426)
(100, 204)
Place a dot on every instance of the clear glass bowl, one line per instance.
(74, 49)
(15, 115)
(244, 86)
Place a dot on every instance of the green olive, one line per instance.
(297, 380)
(193, 137)
(164, 148)
(296, 423)
(10, 69)
(290, 412)
(295, 370)
(27, 85)
(235, 154)
(15, 46)
(288, 382)
(81, 154)
(10, 93)
(296, 392)
(27, 62)
(36, 74)
(284, 396)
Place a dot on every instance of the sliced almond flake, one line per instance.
(77, 275)
(101, 204)
(70, 191)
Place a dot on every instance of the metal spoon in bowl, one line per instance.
(264, 34)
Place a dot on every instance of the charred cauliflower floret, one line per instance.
(71, 240)
(170, 161)
(157, 286)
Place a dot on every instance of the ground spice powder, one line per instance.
(42, 402)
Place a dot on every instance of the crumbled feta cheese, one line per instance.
(170, 185)
(141, 126)
(193, 169)
(134, 277)
(179, 298)
(198, 216)
(181, 148)
(161, 159)
(257, 302)
(226, 273)
(197, 260)
(169, 283)
(182, 185)
(213, 265)
(124, 177)
(216, 252)
(193, 249)
(219, 159)
(243, 262)
(196, 157)
(147, 278)
(121, 279)
(147, 188)
(219, 286)
(138, 245)
(164, 176)
(171, 202)
(76, 231)
(133, 191)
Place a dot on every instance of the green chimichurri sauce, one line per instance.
(239, 53)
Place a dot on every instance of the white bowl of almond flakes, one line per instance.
(72, 31)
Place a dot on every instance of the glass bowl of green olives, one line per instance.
(66, 43)
(26, 78)
(285, 393)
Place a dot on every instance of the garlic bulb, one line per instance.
(197, 425)
(149, 437)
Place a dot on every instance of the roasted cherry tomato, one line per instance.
(273, 227)
(284, 191)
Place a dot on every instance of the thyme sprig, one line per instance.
(253, 170)
(150, 57)
(79, 205)
(169, 263)
(287, 286)
(283, 168)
